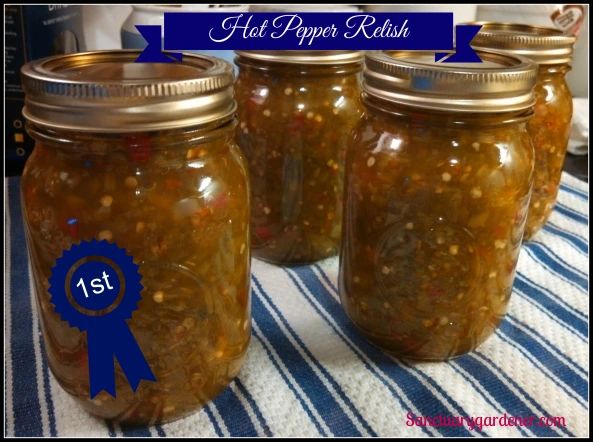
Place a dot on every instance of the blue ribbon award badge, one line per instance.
(95, 286)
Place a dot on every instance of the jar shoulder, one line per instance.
(275, 92)
(554, 92)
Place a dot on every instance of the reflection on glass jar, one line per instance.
(550, 126)
(171, 188)
(295, 114)
(437, 188)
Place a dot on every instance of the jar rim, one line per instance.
(541, 44)
(502, 83)
(311, 57)
(106, 91)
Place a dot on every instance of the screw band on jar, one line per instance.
(305, 57)
(501, 83)
(106, 91)
(542, 45)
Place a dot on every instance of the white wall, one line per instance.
(102, 25)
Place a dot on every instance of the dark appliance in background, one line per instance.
(32, 32)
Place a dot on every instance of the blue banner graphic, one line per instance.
(95, 286)
(195, 31)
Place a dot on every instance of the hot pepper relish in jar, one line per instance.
(143, 155)
(296, 110)
(438, 179)
(550, 126)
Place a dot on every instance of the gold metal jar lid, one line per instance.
(106, 91)
(305, 57)
(542, 45)
(501, 83)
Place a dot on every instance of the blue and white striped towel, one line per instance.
(309, 373)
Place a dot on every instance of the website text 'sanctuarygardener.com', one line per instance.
(478, 422)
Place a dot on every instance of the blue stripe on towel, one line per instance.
(140, 431)
(460, 411)
(558, 311)
(572, 214)
(25, 400)
(554, 256)
(557, 269)
(479, 388)
(253, 404)
(552, 367)
(579, 193)
(47, 387)
(213, 420)
(499, 391)
(508, 380)
(572, 238)
(234, 415)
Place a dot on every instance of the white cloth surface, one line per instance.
(579, 131)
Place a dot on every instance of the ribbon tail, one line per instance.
(101, 364)
(152, 53)
(130, 356)
(464, 53)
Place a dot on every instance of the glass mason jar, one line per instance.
(143, 155)
(296, 109)
(438, 179)
(550, 126)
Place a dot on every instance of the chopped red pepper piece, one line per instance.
(139, 147)
(263, 232)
